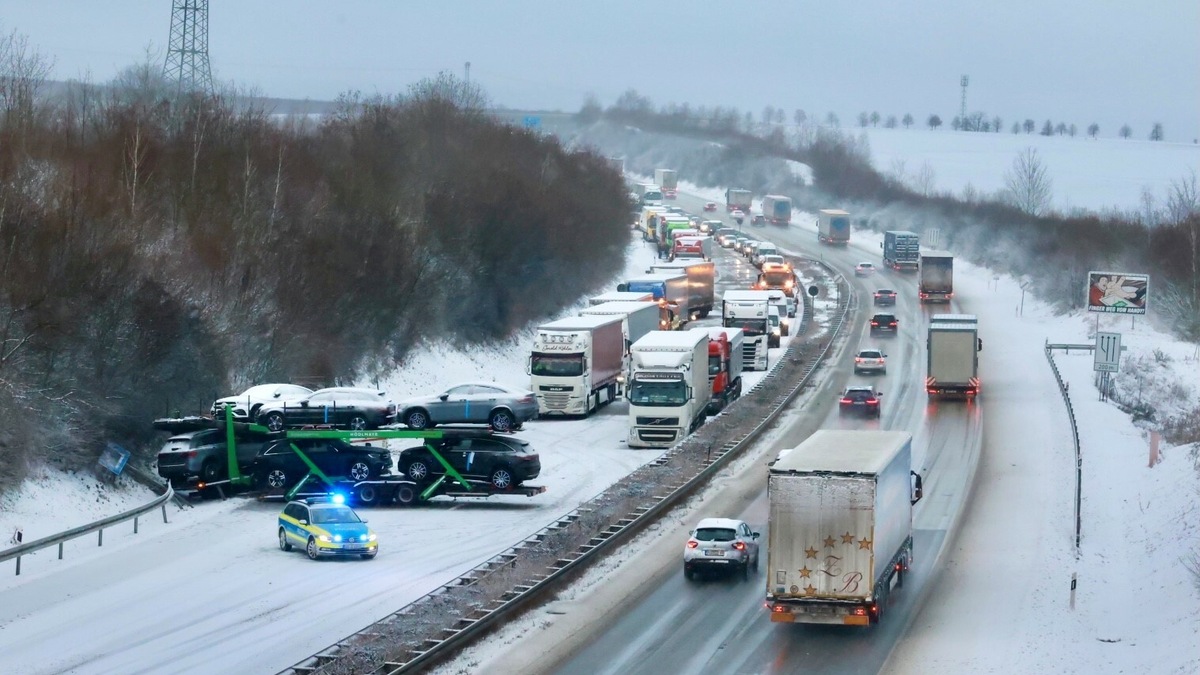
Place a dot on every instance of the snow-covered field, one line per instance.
(1086, 173)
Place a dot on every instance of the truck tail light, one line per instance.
(860, 611)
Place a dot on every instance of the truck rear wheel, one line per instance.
(406, 495)
(366, 495)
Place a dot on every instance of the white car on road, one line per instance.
(721, 544)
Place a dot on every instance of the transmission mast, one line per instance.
(187, 51)
(962, 115)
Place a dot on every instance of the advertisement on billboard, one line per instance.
(1114, 293)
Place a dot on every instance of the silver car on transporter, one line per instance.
(499, 406)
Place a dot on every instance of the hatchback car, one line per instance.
(324, 529)
(864, 269)
(501, 407)
(870, 361)
(884, 324)
(885, 297)
(279, 466)
(758, 219)
(739, 243)
(503, 461)
(349, 407)
(860, 400)
(737, 214)
(721, 544)
(710, 206)
(749, 249)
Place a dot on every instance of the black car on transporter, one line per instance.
(503, 460)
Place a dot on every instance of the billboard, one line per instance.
(1114, 293)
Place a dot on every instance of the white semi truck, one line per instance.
(576, 364)
(833, 226)
(935, 276)
(637, 318)
(668, 387)
(953, 347)
(668, 179)
(750, 311)
(840, 526)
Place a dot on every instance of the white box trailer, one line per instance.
(621, 296)
(952, 352)
(833, 226)
(840, 526)
(637, 318)
(702, 279)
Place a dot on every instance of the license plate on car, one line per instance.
(353, 547)
(715, 552)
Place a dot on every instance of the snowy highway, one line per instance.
(212, 590)
(720, 625)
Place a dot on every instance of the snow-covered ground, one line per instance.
(1086, 173)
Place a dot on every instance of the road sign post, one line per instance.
(1108, 353)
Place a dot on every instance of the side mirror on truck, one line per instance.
(917, 490)
(978, 344)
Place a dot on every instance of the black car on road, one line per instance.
(861, 400)
(502, 460)
(884, 323)
(885, 297)
(279, 466)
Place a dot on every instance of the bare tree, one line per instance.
(1183, 198)
(875, 118)
(1048, 128)
(1156, 134)
(1061, 128)
(934, 122)
(1028, 185)
(1126, 131)
(1093, 129)
(1016, 128)
(908, 120)
(1072, 130)
(923, 182)
(832, 120)
(997, 124)
(863, 119)
(891, 122)
(768, 114)
(1029, 125)
(799, 117)
(780, 116)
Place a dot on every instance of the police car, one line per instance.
(325, 527)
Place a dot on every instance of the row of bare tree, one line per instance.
(159, 250)
(1011, 231)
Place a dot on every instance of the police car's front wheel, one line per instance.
(311, 549)
(283, 542)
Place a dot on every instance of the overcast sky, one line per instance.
(1102, 61)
